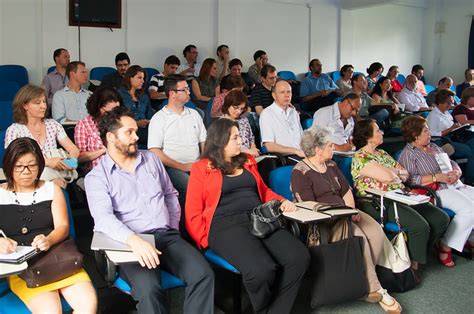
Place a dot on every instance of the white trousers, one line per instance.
(460, 201)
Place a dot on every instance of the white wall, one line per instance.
(152, 29)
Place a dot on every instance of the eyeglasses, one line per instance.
(21, 168)
(239, 108)
(352, 107)
(185, 89)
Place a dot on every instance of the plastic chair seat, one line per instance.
(168, 281)
(215, 259)
(393, 227)
(287, 75)
(448, 211)
(279, 181)
(307, 123)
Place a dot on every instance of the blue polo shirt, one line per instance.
(311, 84)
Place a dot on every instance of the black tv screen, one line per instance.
(96, 13)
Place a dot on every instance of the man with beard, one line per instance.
(130, 193)
(122, 63)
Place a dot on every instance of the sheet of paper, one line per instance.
(118, 257)
(19, 253)
(304, 215)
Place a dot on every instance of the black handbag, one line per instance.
(337, 268)
(266, 219)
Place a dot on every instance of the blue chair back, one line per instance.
(98, 73)
(8, 90)
(355, 73)
(345, 165)
(51, 69)
(15, 73)
(287, 75)
(429, 88)
(150, 72)
(6, 115)
(307, 123)
(335, 75)
(191, 105)
(401, 78)
(2, 145)
(279, 181)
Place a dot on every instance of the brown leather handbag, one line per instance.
(59, 262)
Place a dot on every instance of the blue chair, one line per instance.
(150, 72)
(191, 105)
(2, 141)
(208, 111)
(6, 115)
(355, 73)
(98, 73)
(335, 75)
(457, 100)
(307, 123)
(8, 90)
(51, 69)
(401, 78)
(287, 75)
(345, 165)
(9, 302)
(15, 73)
(279, 181)
(429, 88)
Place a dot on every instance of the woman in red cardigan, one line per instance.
(224, 186)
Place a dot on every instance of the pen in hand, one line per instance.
(7, 246)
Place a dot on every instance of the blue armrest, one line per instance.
(212, 257)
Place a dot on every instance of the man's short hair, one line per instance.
(187, 49)
(72, 67)
(171, 81)
(267, 68)
(235, 62)
(219, 49)
(416, 68)
(57, 53)
(444, 79)
(173, 60)
(258, 54)
(110, 121)
(121, 56)
(350, 96)
(442, 96)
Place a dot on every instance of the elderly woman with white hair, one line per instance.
(317, 178)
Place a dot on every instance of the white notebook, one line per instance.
(21, 254)
(305, 216)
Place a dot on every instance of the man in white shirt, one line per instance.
(340, 118)
(411, 97)
(280, 126)
(440, 121)
(176, 135)
(190, 67)
(69, 103)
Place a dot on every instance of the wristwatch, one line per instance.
(433, 178)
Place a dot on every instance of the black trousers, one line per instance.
(180, 259)
(271, 268)
(320, 102)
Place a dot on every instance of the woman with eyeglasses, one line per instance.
(235, 108)
(34, 213)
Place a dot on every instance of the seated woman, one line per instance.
(235, 108)
(317, 178)
(34, 213)
(206, 85)
(382, 95)
(135, 99)
(344, 83)
(86, 133)
(373, 71)
(374, 168)
(29, 110)
(223, 188)
(392, 74)
(233, 83)
(464, 112)
(420, 157)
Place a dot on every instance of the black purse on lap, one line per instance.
(266, 219)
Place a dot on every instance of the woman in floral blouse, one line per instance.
(374, 168)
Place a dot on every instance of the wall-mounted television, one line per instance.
(95, 13)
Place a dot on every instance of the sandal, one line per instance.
(388, 303)
(448, 260)
(373, 297)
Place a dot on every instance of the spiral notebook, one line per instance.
(21, 254)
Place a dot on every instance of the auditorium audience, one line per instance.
(317, 90)
(233, 83)
(374, 71)
(280, 126)
(130, 193)
(235, 66)
(359, 87)
(222, 61)
(340, 118)
(69, 103)
(382, 95)
(177, 134)
(86, 132)
(444, 83)
(56, 79)
(235, 108)
(419, 157)
(317, 178)
(34, 212)
(418, 71)
(262, 92)
(115, 80)
(344, 83)
(392, 74)
(190, 67)
(260, 57)
(410, 96)
(374, 168)
(156, 88)
(468, 82)
(464, 113)
(206, 85)
(29, 109)
(224, 187)
(135, 99)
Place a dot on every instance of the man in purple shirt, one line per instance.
(57, 79)
(129, 192)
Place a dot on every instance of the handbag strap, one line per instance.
(395, 211)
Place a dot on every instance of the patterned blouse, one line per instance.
(245, 132)
(362, 183)
(54, 132)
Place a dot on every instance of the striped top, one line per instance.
(419, 163)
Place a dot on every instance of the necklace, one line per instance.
(328, 182)
(24, 229)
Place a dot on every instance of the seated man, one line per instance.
(280, 126)
(411, 97)
(260, 57)
(418, 71)
(468, 82)
(156, 90)
(235, 66)
(444, 83)
(190, 67)
(122, 63)
(317, 90)
(340, 118)
(233, 83)
(57, 79)
(130, 193)
(262, 93)
(69, 103)
(222, 61)
(177, 134)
